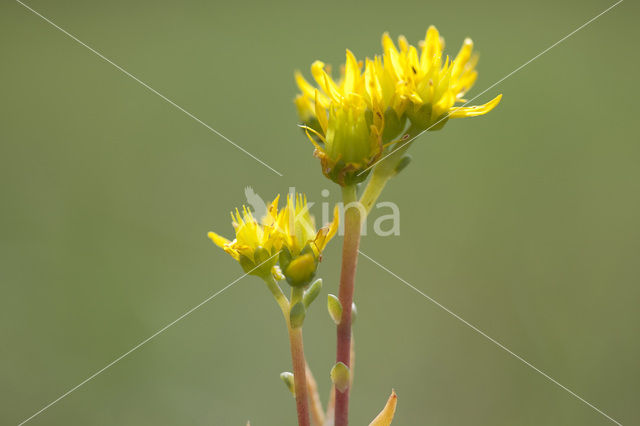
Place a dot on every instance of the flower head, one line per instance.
(302, 245)
(255, 246)
(342, 121)
(426, 86)
(371, 106)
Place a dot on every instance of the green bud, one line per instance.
(404, 162)
(299, 270)
(341, 376)
(296, 315)
(335, 308)
(393, 125)
(261, 264)
(247, 265)
(287, 378)
(354, 313)
(352, 140)
(424, 118)
(312, 292)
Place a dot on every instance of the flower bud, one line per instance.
(287, 378)
(352, 139)
(335, 308)
(341, 376)
(261, 264)
(302, 245)
(300, 270)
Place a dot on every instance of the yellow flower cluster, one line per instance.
(287, 236)
(352, 120)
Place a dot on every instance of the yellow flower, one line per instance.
(350, 121)
(426, 87)
(302, 246)
(343, 122)
(255, 246)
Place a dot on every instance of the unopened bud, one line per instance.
(287, 378)
(404, 162)
(341, 376)
(335, 308)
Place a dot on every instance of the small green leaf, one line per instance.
(287, 378)
(297, 314)
(354, 313)
(335, 308)
(312, 292)
(404, 162)
(341, 376)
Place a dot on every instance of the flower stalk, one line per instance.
(297, 348)
(299, 375)
(351, 243)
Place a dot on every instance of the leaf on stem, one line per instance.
(335, 308)
(287, 378)
(341, 376)
(312, 292)
(296, 315)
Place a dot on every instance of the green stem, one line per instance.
(299, 364)
(296, 295)
(374, 189)
(281, 299)
(385, 170)
(297, 348)
(352, 220)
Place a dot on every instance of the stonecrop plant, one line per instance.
(361, 126)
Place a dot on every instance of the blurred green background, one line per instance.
(524, 221)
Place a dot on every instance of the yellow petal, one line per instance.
(459, 112)
(463, 57)
(324, 80)
(326, 233)
(304, 107)
(271, 215)
(386, 415)
(218, 240)
(372, 84)
(403, 43)
(321, 114)
(223, 243)
(303, 84)
(392, 60)
(387, 43)
(351, 74)
(431, 49)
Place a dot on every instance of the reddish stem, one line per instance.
(300, 375)
(347, 284)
